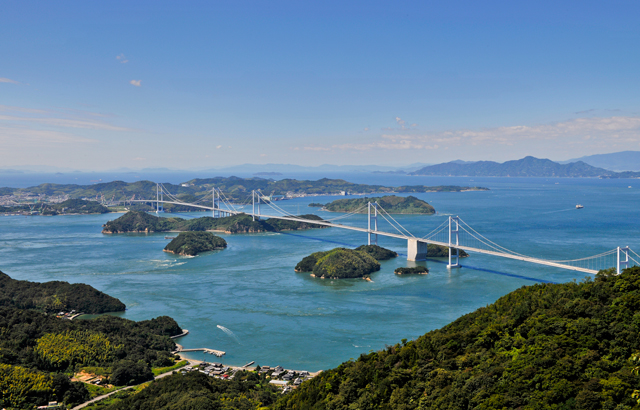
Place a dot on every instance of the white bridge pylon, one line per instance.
(453, 233)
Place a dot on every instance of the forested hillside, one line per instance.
(391, 203)
(135, 221)
(195, 391)
(546, 346)
(55, 296)
(38, 351)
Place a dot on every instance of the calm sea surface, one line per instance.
(275, 316)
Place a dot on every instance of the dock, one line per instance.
(218, 353)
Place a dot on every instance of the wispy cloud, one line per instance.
(24, 137)
(65, 123)
(122, 59)
(596, 132)
(8, 80)
(137, 83)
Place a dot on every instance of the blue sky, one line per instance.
(102, 85)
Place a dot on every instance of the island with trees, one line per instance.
(416, 270)
(39, 351)
(193, 243)
(343, 263)
(378, 252)
(391, 203)
(440, 251)
(142, 222)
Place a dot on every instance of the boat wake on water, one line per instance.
(230, 333)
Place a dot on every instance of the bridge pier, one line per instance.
(416, 250)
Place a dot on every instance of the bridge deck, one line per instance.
(394, 235)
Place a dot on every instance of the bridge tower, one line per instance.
(373, 218)
(159, 198)
(215, 212)
(622, 263)
(253, 197)
(454, 233)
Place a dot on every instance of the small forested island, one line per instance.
(439, 251)
(378, 252)
(391, 203)
(342, 263)
(315, 205)
(52, 297)
(193, 243)
(142, 222)
(75, 206)
(416, 270)
(39, 351)
(68, 207)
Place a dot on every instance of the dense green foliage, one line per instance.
(235, 189)
(75, 206)
(379, 253)
(316, 205)
(195, 391)
(546, 346)
(345, 263)
(134, 221)
(193, 243)
(55, 296)
(416, 270)
(74, 347)
(129, 373)
(439, 251)
(27, 334)
(308, 262)
(341, 263)
(390, 203)
(33, 344)
(525, 167)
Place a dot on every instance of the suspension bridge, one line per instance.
(453, 233)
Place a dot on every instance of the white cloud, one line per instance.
(219, 146)
(135, 82)
(122, 59)
(400, 121)
(65, 123)
(8, 80)
(29, 138)
(595, 133)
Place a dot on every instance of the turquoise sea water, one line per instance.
(279, 317)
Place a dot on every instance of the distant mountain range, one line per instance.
(525, 167)
(616, 161)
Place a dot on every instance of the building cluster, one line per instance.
(287, 379)
(210, 369)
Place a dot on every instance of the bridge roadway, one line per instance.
(395, 235)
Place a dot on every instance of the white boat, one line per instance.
(579, 206)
